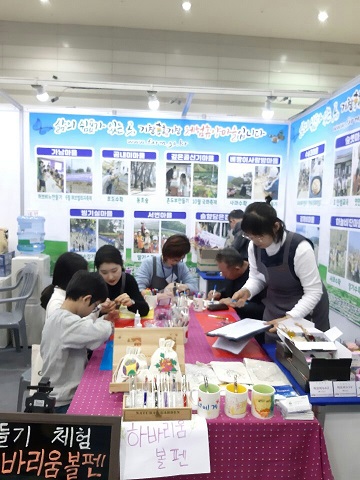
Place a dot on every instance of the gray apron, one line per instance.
(284, 289)
(159, 283)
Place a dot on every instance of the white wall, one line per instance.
(9, 172)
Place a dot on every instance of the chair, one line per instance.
(15, 320)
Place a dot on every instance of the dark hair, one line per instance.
(230, 256)
(87, 283)
(236, 214)
(108, 254)
(176, 246)
(65, 266)
(260, 219)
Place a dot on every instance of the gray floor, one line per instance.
(12, 365)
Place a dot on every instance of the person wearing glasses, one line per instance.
(167, 272)
(122, 287)
(285, 263)
(236, 238)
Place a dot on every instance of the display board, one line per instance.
(133, 182)
(58, 446)
(324, 188)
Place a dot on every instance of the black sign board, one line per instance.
(41, 446)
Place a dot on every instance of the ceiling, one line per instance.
(278, 19)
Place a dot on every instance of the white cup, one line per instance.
(208, 401)
(198, 304)
(236, 401)
(262, 401)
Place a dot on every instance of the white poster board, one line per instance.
(164, 449)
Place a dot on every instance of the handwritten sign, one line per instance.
(58, 446)
(164, 449)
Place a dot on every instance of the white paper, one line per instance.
(344, 388)
(225, 371)
(321, 389)
(230, 345)
(164, 449)
(265, 372)
(333, 333)
(195, 375)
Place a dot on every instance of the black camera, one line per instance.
(40, 401)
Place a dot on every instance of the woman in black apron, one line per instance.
(285, 263)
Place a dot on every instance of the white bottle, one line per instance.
(137, 320)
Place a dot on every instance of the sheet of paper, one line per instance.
(195, 375)
(164, 448)
(230, 345)
(225, 372)
(265, 372)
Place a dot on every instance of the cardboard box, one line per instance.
(318, 368)
(148, 340)
(5, 263)
(206, 259)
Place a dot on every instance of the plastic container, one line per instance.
(137, 320)
(31, 234)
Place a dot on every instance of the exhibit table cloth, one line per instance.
(248, 448)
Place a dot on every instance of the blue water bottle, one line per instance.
(31, 234)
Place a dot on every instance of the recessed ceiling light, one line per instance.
(186, 6)
(44, 1)
(323, 16)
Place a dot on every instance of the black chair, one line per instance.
(15, 320)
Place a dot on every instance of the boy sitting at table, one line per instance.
(67, 335)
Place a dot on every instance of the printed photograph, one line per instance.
(115, 177)
(239, 181)
(342, 173)
(78, 175)
(266, 182)
(304, 179)
(171, 227)
(337, 254)
(355, 189)
(111, 232)
(146, 236)
(353, 261)
(311, 232)
(205, 180)
(142, 178)
(316, 176)
(82, 235)
(50, 175)
(178, 179)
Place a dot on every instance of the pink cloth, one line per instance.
(245, 449)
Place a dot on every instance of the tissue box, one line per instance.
(5, 263)
(206, 259)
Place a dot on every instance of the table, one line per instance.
(248, 448)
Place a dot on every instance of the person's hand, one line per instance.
(241, 297)
(274, 323)
(124, 300)
(217, 295)
(227, 301)
(107, 306)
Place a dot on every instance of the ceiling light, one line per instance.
(153, 101)
(186, 6)
(41, 93)
(323, 16)
(268, 112)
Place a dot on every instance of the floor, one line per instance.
(12, 365)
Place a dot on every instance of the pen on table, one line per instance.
(155, 393)
(184, 391)
(218, 316)
(213, 294)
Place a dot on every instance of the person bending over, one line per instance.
(236, 271)
(69, 332)
(285, 263)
